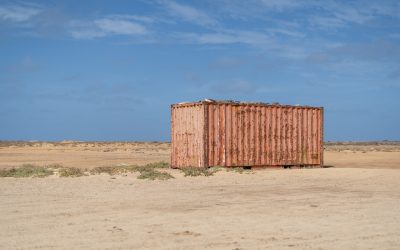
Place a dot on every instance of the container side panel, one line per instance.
(211, 140)
(294, 135)
(304, 139)
(240, 135)
(228, 136)
(245, 134)
(283, 140)
(204, 146)
(272, 133)
(263, 138)
(310, 136)
(268, 147)
(278, 138)
(289, 141)
(322, 137)
(307, 139)
(301, 137)
(258, 134)
(251, 137)
(187, 133)
(216, 135)
(319, 151)
(317, 139)
(314, 155)
(234, 136)
(222, 135)
(254, 135)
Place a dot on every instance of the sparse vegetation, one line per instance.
(239, 170)
(148, 171)
(113, 170)
(70, 172)
(195, 171)
(26, 170)
(155, 175)
(54, 166)
(161, 164)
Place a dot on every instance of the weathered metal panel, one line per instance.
(236, 134)
(187, 135)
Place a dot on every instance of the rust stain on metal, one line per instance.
(230, 134)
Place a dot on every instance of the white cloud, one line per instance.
(189, 13)
(255, 39)
(122, 27)
(18, 13)
(282, 4)
(143, 19)
(87, 33)
(106, 26)
(327, 22)
(227, 37)
(287, 32)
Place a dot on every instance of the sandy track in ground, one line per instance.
(331, 208)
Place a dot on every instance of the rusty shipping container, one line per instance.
(232, 134)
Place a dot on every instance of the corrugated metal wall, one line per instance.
(229, 134)
(260, 135)
(187, 135)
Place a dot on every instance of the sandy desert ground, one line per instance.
(353, 205)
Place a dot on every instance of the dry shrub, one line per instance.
(155, 175)
(148, 171)
(26, 170)
(196, 171)
(70, 172)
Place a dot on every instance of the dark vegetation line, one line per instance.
(151, 171)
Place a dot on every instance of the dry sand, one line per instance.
(329, 208)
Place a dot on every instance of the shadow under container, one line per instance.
(231, 134)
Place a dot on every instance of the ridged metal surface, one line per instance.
(230, 134)
(187, 136)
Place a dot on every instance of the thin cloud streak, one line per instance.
(18, 13)
(105, 27)
(188, 13)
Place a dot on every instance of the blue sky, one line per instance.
(109, 70)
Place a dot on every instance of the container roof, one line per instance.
(232, 102)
